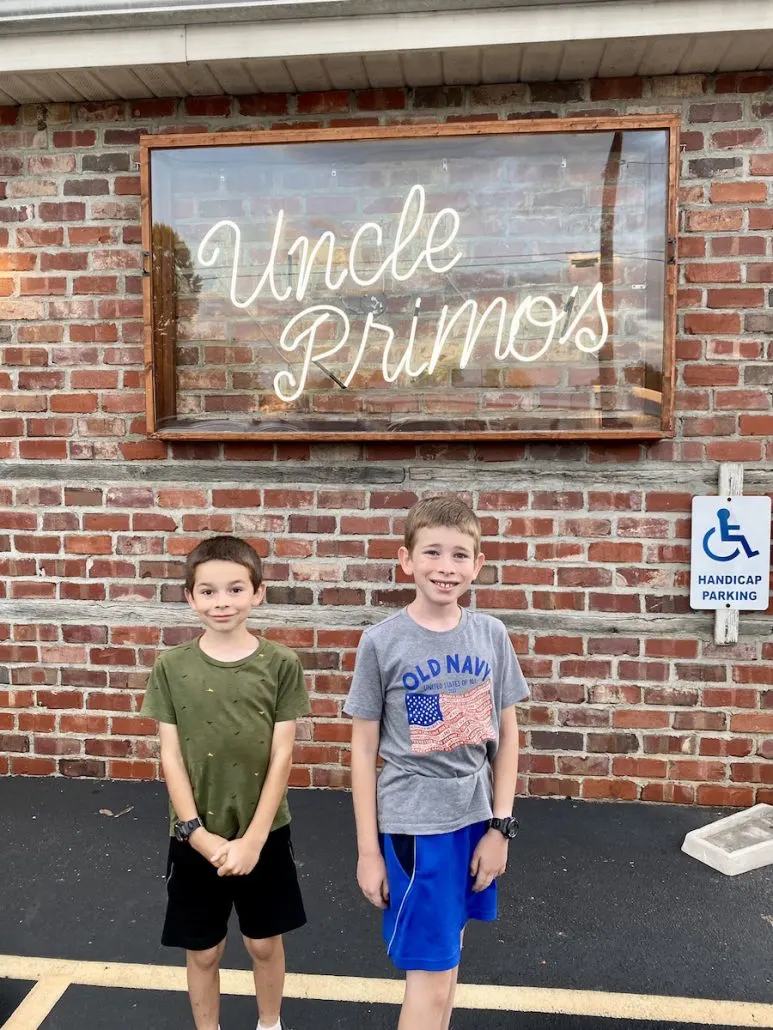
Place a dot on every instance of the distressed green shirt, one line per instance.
(225, 714)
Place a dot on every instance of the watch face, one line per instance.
(178, 831)
(511, 828)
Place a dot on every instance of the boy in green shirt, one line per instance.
(226, 705)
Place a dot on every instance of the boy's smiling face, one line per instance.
(223, 595)
(443, 563)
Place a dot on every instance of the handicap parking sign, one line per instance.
(730, 553)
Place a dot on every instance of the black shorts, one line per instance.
(268, 900)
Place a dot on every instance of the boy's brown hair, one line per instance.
(442, 510)
(224, 548)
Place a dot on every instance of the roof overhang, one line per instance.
(178, 49)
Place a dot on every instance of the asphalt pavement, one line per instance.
(597, 898)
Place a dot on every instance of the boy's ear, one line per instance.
(259, 595)
(479, 563)
(404, 557)
(189, 598)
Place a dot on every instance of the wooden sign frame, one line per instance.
(161, 394)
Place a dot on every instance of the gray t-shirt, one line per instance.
(438, 697)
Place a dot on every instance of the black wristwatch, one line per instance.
(182, 831)
(507, 827)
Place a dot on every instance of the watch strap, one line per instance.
(183, 830)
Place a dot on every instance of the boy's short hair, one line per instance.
(442, 510)
(224, 548)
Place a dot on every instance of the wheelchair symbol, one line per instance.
(728, 535)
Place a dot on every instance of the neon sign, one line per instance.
(302, 330)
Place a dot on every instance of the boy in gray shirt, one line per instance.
(433, 695)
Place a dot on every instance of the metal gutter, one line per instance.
(17, 16)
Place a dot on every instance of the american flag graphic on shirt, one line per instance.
(442, 722)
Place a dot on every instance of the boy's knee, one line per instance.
(431, 989)
(262, 949)
(208, 958)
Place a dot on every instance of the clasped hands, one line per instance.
(231, 857)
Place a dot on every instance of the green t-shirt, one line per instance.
(225, 714)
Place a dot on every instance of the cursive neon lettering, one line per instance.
(307, 337)
(353, 273)
(306, 263)
(532, 330)
(404, 364)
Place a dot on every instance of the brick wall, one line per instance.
(587, 543)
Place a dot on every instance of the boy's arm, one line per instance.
(490, 858)
(239, 857)
(505, 764)
(371, 869)
(180, 791)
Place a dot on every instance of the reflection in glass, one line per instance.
(511, 282)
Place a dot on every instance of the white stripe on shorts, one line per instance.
(407, 892)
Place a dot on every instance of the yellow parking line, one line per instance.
(37, 1004)
(316, 987)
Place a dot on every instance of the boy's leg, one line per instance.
(197, 913)
(428, 999)
(268, 902)
(203, 969)
(268, 966)
(446, 1021)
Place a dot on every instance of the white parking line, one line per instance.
(59, 973)
(38, 1003)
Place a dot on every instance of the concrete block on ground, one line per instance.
(736, 843)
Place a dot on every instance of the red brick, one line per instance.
(736, 299)
(617, 89)
(710, 375)
(68, 139)
(30, 765)
(724, 112)
(208, 107)
(730, 138)
(739, 246)
(112, 656)
(381, 99)
(739, 192)
(120, 770)
(761, 164)
(83, 544)
(743, 82)
(236, 498)
(261, 105)
(698, 771)
(82, 767)
(756, 425)
(512, 599)
(129, 497)
(60, 698)
(615, 789)
(720, 797)
(503, 500)
(334, 101)
(699, 324)
(644, 768)
(732, 450)
(715, 220)
(713, 273)
(113, 702)
(133, 726)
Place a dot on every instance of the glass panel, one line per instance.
(462, 284)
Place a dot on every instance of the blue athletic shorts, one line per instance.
(431, 896)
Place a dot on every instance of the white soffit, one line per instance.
(577, 40)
